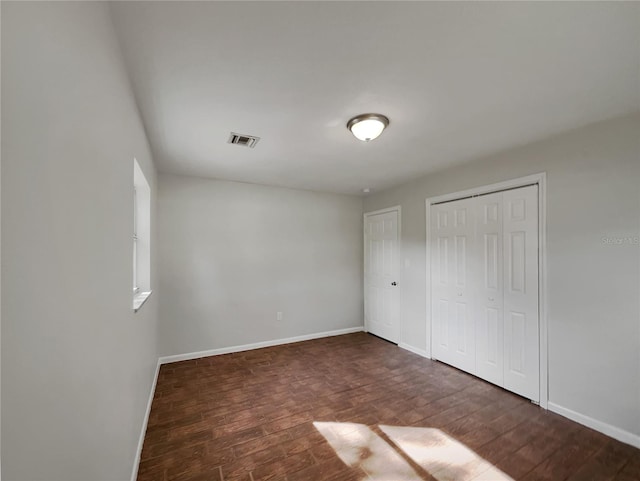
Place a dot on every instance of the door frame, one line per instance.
(541, 180)
(398, 209)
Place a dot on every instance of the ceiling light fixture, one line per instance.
(367, 127)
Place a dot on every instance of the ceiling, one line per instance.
(458, 81)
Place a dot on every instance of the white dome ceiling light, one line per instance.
(367, 127)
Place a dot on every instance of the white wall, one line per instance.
(594, 288)
(233, 254)
(77, 364)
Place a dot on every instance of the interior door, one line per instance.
(489, 299)
(381, 274)
(452, 228)
(521, 322)
(484, 287)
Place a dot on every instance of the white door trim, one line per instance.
(541, 180)
(398, 209)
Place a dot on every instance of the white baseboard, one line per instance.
(145, 421)
(604, 428)
(256, 345)
(415, 350)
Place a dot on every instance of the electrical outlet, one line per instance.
(279, 316)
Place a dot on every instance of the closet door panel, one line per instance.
(440, 252)
(521, 322)
(452, 251)
(489, 300)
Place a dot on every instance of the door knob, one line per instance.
(394, 283)
(491, 299)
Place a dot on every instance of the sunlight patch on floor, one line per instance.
(358, 446)
(442, 456)
(435, 452)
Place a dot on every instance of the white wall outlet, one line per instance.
(279, 316)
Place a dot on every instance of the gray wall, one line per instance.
(593, 180)
(0, 265)
(233, 254)
(77, 363)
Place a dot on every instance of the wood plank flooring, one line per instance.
(355, 407)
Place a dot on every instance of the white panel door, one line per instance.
(489, 300)
(381, 273)
(521, 324)
(452, 227)
(484, 287)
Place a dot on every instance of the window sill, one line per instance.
(139, 299)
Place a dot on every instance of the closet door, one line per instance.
(488, 302)
(521, 329)
(452, 227)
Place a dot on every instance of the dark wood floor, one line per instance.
(355, 407)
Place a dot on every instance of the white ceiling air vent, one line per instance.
(242, 139)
